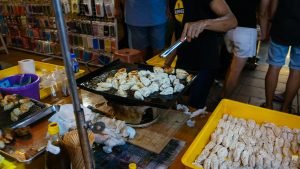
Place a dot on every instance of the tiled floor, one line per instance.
(250, 90)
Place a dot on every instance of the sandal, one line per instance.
(278, 98)
(263, 105)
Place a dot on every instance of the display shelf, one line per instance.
(31, 28)
(50, 56)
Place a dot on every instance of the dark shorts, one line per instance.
(149, 36)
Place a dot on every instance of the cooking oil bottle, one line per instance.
(56, 155)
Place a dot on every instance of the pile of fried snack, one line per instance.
(240, 143)
(144, 82)
(20, 106)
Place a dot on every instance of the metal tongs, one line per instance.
(168, 51)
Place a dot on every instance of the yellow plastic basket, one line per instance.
(39, 66)
(240, 110)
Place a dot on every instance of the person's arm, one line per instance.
(225, 21)
(264, 17)
(272, 8)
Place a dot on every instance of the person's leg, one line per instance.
(137, 38)
(276, 59)
(293, 83)
(244, 46)
(158, 38)
(271, 80)
(236, 67)
(200, 88)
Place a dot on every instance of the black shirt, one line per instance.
(201, 52)
(286, 23)
(244, 11)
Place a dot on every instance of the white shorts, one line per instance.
(241, 41)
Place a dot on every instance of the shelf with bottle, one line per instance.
(86, 55)
(93, 43)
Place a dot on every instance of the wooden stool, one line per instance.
(128, 55)
(3, 47)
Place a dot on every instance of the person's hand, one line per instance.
(193, 29)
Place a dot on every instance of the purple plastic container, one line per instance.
(31, 90)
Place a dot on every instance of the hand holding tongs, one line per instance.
(168, 51)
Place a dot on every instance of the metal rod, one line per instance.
(79, 115)
(168, 51)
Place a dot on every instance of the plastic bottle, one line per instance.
(56, 155)
(132, 166)
(75, 63)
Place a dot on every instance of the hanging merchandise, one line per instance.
(106, 30)
(52, 22)
(107, 45)
(96, 44)
(84, 41)
(99, 8)
(113, 45)
(109, 8)
(112, 32)
(95, 28)
(90, 42)
(87, 5)
(101, 29)
(101, 44)
(66, 6)
(75, 6)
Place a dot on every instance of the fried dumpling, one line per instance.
(154, 87)
(181, 74)
(165, 81)
(158, 70)
(145, 91)
(124, 87)
(115, 83)
(121, 75)
(189, 78)
(167, 91)
(138, 95)
(144, 73)
(105, 84)
(109, 80)
(164, 86)
(145, 81)
(178, 87)
(172, 78)
(122, 93)
(169, 70)
(102, 89)
(137, 86)
(176, 81)
(133, 73)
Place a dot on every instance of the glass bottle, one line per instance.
(56, 156)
